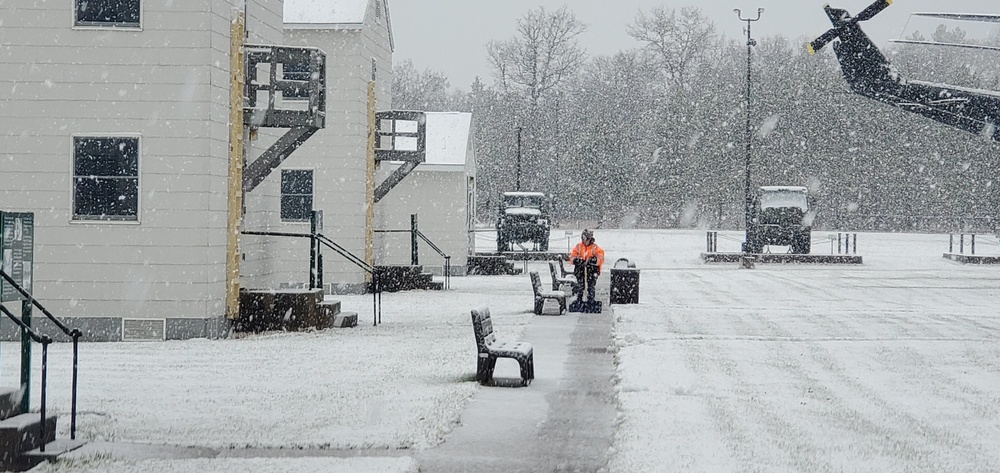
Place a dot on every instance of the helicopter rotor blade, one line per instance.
(873, 10)
(825, 38)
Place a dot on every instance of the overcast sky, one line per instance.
(449, 36)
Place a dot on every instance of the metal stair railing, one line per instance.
(350, 257)
(75, 334)
(447, 259)
(45, 341)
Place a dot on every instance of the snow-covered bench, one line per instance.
(542, 295)
(559, 279)
(489, 349)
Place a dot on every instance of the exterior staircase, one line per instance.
(491, 265)
(21, 436)
(293, 310)
(395, 278)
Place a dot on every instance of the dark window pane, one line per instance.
(106, 198)
(106, 178)
(296, 181)
(296, 71)
(107, 12)
(296, 194)
(106, 157)
(296, 207)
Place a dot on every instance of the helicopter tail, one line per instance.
(866, 70)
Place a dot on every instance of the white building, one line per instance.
(114, 131)
(440, 192)
(357, 38)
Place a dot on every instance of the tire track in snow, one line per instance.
(744, 418)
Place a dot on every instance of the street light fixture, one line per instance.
(748, 202)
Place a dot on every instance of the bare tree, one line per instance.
(675, 41)
(420, 90)
(542, 55)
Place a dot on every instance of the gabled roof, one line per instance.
(333, 15)
(326, 12)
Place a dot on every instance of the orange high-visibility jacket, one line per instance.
(586, 252)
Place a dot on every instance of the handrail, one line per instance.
(75, 334)
(376, 277)
(376, 284)
(447, 259)
(45, 341)
(446, 269)
(35, 303)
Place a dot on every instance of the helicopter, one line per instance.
(870, 74)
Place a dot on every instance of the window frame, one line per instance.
(96, 25)
(301, 95)
(282, 195)
(112, 219)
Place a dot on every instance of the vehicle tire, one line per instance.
(802, 243)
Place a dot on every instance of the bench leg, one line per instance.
(527, 369)
(539, 303)
(562, 306)
(484, 368)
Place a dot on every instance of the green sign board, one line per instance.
(17, 248)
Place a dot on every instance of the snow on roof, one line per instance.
(784, 189)
(448, 137)
(325, 11)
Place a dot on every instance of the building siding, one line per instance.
(168, 84)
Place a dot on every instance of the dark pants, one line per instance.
(591, 281)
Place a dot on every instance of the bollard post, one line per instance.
(838, 242)
(961, 243)
(951, 243)
(854, 250)
(973, 243)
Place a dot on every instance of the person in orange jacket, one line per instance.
(588, 259)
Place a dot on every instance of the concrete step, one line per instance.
(406, 278)
(53, 450)
(22, 433)
(10, 402)
(345, 319)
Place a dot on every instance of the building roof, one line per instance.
(448, 135)
(327, 12)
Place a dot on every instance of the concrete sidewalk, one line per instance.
(561, 422)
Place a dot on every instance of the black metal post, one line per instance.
(414, 259)
(748, 217)
(313, 252)
(76, 365)
(517, 183)
(45, 369)
(26, 357)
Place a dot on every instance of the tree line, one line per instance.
(653, 136)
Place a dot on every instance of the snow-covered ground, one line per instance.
(893, 365)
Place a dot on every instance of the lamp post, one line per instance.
(748, 202)
(517, 183)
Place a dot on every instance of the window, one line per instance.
(296, 71)
(106, 178)
(113, 13)
(296, 194)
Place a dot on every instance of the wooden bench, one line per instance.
(558, 280)
(490, 349)
(562, 269)
(542, 295)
